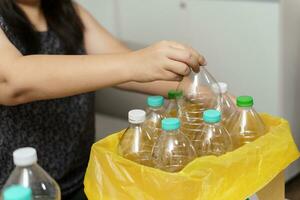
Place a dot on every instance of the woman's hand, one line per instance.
(166, 60)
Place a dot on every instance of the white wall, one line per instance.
(290, 69)
(104, 11)
(251, 44)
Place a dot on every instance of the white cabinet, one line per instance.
(145, 22)
(240, 40)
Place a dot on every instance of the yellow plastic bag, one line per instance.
(233, 176)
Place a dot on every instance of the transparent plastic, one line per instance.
(152, 125)
(245, 126)
(226, 106)
(136, 145)
(199, 96)
(214, 139)
(34, 177)
(172, 151)
(172, 109)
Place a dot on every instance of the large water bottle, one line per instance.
(154, 115)
(29, 174)
(245, 125)
(214, 138)
(175, 99)
(199, 95)
(17, 192)
(173, 150)
(227, 106)
(136, 144)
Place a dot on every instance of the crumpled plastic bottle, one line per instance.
(199, 95)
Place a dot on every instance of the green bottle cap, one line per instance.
(155, 101)
(174, 94)
(170, 124)
(212, 116)
(244, 101)
(17, 192)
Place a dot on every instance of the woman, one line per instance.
(53, 56)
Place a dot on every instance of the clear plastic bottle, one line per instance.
(154, 115)
(17, 192)
(173, 150)
(29, 174)
(136, 144)
(245, 125)
(214, 138)
(199, 96)
(226, 106)
(175, 98)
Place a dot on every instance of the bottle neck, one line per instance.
(212, 123)
(176, 131)
(155, 108)
(26, 166)
(172, 102)
(133, 126)
(245, 108)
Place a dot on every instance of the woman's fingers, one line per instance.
(201, 59)
(171, 76)
(189, 55)
(178, 68)
(165, 60)
(184, 56)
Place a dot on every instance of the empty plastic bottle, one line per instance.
(199, 96)
(29, 174)
(17, 192)
(154, 115)
(227, 106)
(214, 138)
(245, 125)
(136, 144)
(173, 150)
(175, 99)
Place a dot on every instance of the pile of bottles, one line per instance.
(200, 119)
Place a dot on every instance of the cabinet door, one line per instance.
(145, 22)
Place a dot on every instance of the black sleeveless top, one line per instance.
(61, 130)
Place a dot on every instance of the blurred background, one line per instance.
(253, 45)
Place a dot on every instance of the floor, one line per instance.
(292, 189)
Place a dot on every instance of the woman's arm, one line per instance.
(29, 78)
(155, 87)
(98, 41)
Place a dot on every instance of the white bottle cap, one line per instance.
(136, 116)
(223, 87)
(25, 156)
